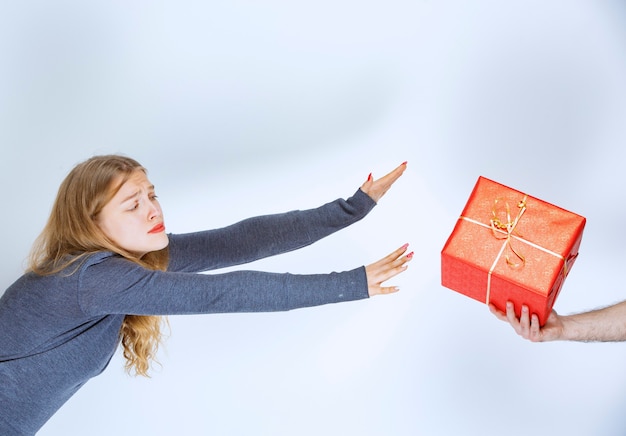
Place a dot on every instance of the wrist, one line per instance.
(570, 330)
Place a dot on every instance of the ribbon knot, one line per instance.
(504, 230)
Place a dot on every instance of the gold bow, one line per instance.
(504, 230)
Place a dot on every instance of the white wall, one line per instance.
(245, 108)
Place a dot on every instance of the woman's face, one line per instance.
(133, 218)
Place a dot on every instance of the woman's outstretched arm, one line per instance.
(263, 236)
(112, 285)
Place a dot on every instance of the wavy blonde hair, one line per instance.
(71, 234)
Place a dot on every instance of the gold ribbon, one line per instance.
(504, 231)
(498, 227)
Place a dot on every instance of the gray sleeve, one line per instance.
(264, 236)
(117, 286)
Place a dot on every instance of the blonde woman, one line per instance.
(104, 271)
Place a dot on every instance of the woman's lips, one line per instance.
(158, 228)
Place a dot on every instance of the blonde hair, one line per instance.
(71, 234)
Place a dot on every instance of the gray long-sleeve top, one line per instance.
(58, 331)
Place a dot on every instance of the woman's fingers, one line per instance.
(377, 188)
(386, 268)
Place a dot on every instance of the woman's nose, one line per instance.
(154, 212)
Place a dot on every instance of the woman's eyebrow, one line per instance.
(137, 193)
(130, 197)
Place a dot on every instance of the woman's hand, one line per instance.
(386, 268)
(377, 188)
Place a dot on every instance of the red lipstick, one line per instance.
(158, 228)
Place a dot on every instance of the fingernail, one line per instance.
(369, 177)
(404, 163)
(405, 246)
(410, 255)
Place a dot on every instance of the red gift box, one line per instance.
(509, 246)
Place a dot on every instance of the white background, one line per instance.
(242, 108)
